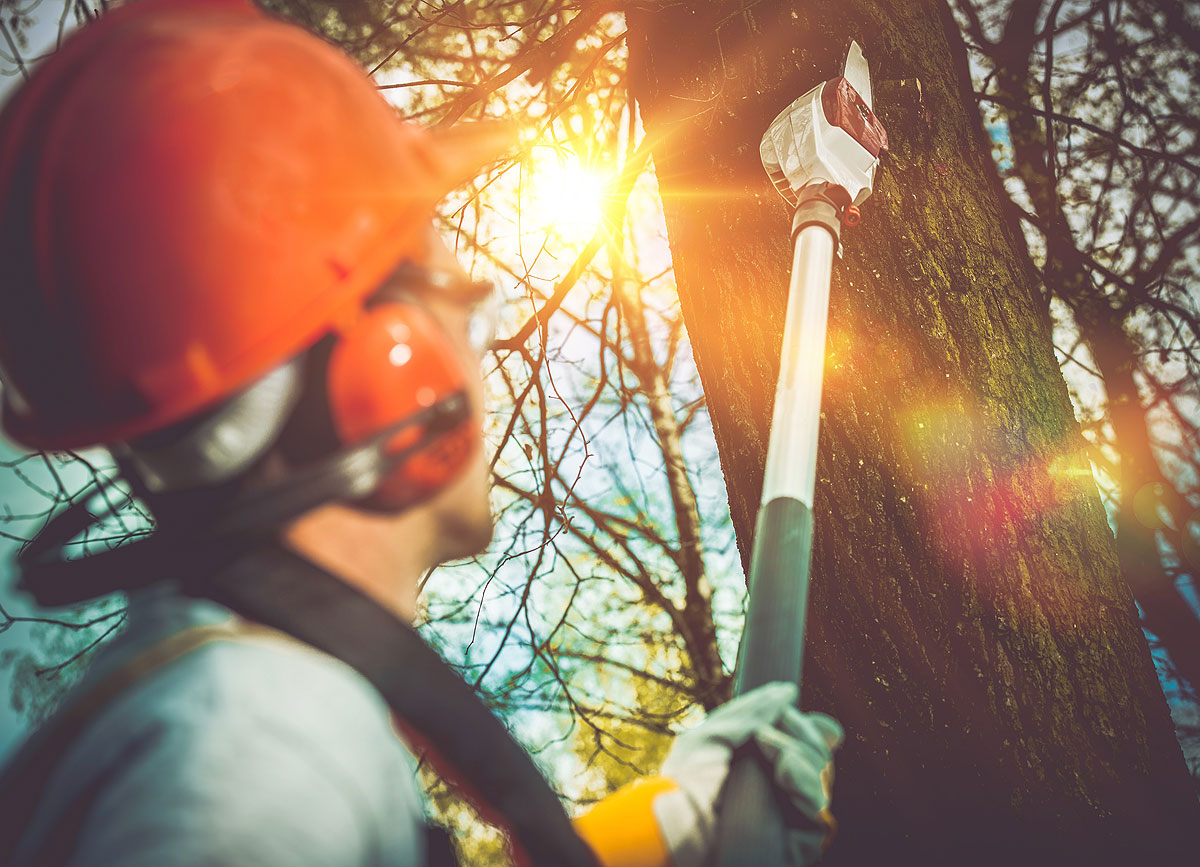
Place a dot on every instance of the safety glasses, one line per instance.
(413, 281)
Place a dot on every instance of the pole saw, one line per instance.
(821, 153)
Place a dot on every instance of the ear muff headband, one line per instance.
(219, 445)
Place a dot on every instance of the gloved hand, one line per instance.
(671, 821)
(798, 748)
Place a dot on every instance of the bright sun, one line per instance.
(565, 197)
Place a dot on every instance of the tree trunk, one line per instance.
(1143, 490)
(968, 623)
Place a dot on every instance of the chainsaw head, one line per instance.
(828, 134)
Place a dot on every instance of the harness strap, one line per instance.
(278, 588)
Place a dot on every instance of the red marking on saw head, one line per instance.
(846, 109)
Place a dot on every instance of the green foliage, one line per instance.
(477, 840)
(628, 747)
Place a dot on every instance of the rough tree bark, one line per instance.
(1102, 318)
(968, 622)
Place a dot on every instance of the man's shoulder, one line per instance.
(263, 677)
(239, 687)
(193, 661)
(238, 722)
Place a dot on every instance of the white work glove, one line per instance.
(798, 748)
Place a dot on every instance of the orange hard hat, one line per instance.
(193, 192)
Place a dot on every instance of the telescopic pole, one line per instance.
(752, 829)
(821, 153)
(772, 640)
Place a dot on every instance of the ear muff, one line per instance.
(394, 361)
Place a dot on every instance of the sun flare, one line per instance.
(565, 196)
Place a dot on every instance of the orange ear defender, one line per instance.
(395, 362)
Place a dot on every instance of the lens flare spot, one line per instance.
(400, 354)
(1149, 508)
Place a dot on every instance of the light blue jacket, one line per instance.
(255, 751)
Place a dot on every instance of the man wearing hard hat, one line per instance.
(218, 262)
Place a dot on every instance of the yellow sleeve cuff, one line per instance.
(622, 830)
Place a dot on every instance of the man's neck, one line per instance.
(383, 555)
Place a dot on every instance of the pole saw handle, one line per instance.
(752, 829)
